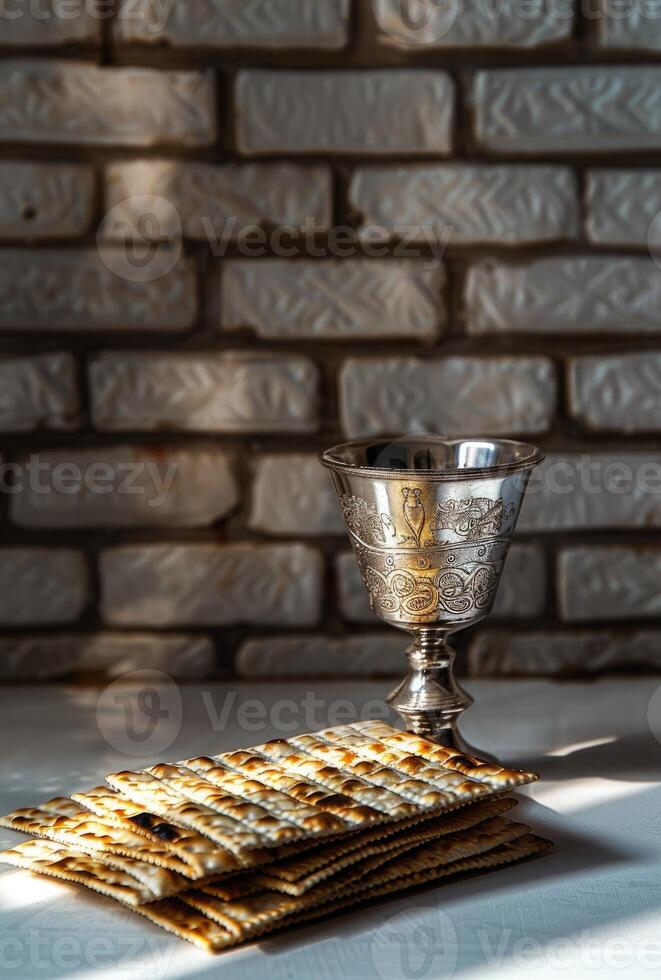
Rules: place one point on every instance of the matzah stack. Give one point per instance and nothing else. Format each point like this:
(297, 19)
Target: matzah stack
(223, 849)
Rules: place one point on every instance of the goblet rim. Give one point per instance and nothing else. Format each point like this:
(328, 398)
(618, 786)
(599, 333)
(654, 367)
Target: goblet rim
(532, 458)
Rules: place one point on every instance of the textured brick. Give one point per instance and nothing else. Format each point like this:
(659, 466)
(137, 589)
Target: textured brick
(45, 200)
(55, 289)
(609, 583)
(236, 23)
(50, 658)
(522, 590)
(125, 486)
(352, 594)
(46, 22)
(472, 23)
(368, 654)
(38, 392)
(568, 109)
(293, 494)
(469, 203)
(336, 298)
(41, 586)
(553, 654)
(73, 102)
(462, 395)
(211, 585)
(578, 491)
(209, 392)
(564, 295)
(621, 206)
(630, 26)
(212, 202)
(396, 111)
(621, 393)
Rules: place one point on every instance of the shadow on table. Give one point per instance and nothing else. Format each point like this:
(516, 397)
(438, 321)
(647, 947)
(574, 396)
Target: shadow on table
(557, 896)
(634, 758)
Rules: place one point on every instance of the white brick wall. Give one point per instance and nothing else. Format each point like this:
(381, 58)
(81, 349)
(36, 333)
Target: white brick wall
(467, 204)
(211, 585)
(214, 203)
(465, 396)
(292, 494)
(367, 654)
(124, 486)
(621, 206)
(568, 110)
(38, 393)
(74, 289)
(620, 393)
(473, 23)
(54, 657)
(591, 490)
(26, 22)
(573, 294)
(233, 392)
(633, 26)
(351, 591)
(606, 583)
(522, 590)
(395, 111)
(235, 232)
(336, 298)
(45, 200)
(67, 102)
(39, 586)
(555, 654)
(236, 23)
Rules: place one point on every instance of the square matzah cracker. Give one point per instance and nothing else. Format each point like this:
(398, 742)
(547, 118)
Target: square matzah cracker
(203, 857)
(214, 925)
(249, 804)
(371, 888)
(92, 834)
(342, 780)
(245, 917)
(184, 921)
(296, 875)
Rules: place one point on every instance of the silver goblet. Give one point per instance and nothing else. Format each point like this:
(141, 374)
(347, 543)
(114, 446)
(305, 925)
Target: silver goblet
(430, 521)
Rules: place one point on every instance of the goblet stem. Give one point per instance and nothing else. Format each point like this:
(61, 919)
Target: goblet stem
(429, 699)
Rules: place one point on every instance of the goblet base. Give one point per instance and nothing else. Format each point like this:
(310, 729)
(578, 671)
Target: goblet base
(429, 699)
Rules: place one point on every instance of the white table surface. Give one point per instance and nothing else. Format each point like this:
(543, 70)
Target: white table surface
(590, 909)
